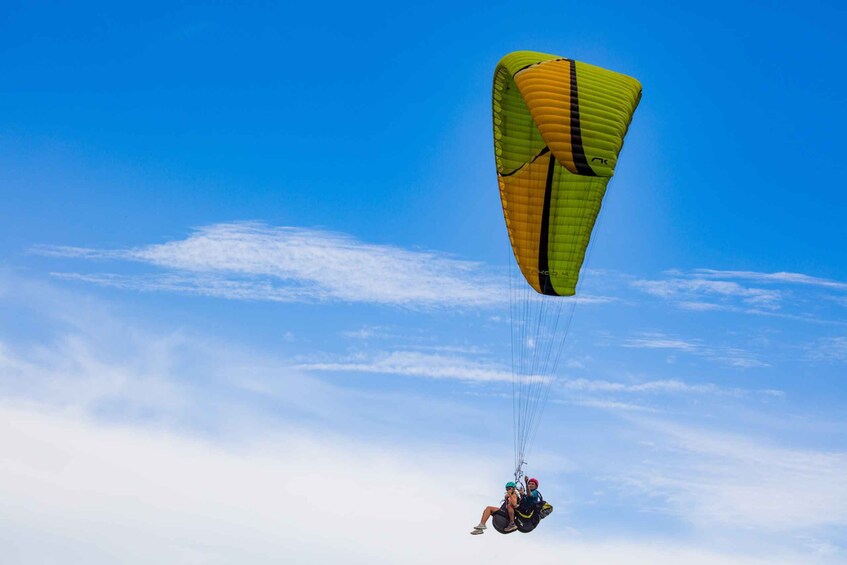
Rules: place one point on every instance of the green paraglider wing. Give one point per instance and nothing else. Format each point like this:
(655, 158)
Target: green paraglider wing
(559, 126)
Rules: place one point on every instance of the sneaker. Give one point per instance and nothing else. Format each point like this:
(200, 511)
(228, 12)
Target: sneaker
(510, 528)
(480, 527)
(476, 532)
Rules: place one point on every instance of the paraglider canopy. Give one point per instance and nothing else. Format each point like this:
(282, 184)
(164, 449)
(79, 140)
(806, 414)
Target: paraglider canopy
(559, 125)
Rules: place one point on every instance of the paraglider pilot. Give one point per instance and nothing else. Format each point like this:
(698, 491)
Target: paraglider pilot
(531, 495)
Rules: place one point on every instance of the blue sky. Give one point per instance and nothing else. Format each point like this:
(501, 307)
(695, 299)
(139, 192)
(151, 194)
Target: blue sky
(253, 259)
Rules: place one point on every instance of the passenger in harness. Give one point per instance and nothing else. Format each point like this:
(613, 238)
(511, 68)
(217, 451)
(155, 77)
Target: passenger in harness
(510, 502)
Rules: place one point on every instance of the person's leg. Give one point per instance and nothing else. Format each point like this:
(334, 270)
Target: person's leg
(486, 514)
(511, 512)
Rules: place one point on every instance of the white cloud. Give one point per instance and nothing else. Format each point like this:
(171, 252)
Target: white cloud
(687, 291)
(732, 356)
(73, 372)
(414, 340)
(288, 496)
(780, 277)
(87, 360)
(715, 479)
(659, 341)
(664, 386)
(611, 405)
(606, 394)
(771, 294)
(829, 349)
(418, 364)
(215, 286)
(152, 497)
(572, 363)
(584, 298)
(370, 332)
(698, 306)
(256, 262)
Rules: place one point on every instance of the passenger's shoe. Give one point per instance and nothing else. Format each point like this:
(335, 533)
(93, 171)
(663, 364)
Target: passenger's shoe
(477, 531)
(510, 528)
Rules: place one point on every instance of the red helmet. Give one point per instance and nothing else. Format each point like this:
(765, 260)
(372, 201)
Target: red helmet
(533, 481)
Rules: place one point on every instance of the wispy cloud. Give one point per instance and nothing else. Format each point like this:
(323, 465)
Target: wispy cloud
(660, 341)
(370, 332)
(252, 261)
(733, 356)
(742, 482)
(686, 290)
(698, 306)
(418, 364)
(667, 386)
(412, 340)
(829, 349)
(780, 277)
(609, 405)
(113, 369)
(769, 294)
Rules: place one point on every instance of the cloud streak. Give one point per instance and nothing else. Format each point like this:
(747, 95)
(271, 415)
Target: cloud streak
(732, 356)
(252, 261)
(418, 364)
(688, 289)
(776, 278)
(713, 479)
(833, 349)
(667, 386)
(784, 294)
